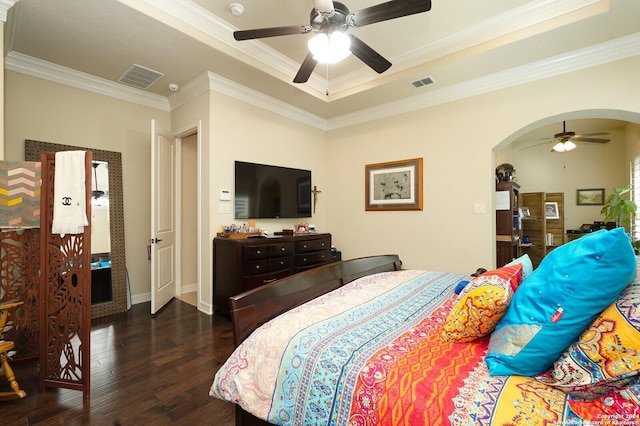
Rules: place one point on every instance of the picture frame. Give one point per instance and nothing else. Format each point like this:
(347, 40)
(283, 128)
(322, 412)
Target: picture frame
(394, 185)
(525, 212)
(590, 197)
(551, 210)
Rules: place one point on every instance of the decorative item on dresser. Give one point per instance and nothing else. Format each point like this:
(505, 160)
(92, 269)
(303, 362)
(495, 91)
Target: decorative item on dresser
(244, 264)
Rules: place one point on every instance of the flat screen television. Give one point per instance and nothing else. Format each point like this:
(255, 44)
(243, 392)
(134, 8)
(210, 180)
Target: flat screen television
(269, 192)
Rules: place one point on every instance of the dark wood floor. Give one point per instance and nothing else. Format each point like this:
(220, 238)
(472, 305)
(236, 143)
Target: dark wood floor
(144, 370)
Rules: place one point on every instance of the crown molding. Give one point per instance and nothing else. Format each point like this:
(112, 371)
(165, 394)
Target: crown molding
(502, 26)
(209, 81)
(611, 51)
(591, 56)
(259, 99)
(5, 5)
(34, 67)
(518, 19)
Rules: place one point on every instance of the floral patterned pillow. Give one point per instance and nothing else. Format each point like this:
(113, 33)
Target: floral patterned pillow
(606, 358)
(481, 304)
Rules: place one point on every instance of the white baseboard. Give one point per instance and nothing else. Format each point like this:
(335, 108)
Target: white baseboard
(140, 298)
(146, 297)
(189, 288)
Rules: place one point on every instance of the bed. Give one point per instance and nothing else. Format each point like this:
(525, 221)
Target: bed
(364, 342)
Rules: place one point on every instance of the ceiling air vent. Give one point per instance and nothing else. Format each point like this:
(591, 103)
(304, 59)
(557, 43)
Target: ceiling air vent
(140, 77)
(423, 82)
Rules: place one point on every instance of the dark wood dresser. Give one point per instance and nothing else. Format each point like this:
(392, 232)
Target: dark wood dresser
(241, 265)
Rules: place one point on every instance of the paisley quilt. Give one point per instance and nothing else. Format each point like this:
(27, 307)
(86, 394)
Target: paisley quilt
(370, 353)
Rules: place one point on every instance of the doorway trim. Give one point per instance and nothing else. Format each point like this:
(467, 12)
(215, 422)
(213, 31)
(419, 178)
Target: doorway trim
(190, 131)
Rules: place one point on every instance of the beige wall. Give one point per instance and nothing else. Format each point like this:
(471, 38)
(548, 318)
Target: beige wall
(234, 130)
(456, 140)
(243, 132)
(41, 110)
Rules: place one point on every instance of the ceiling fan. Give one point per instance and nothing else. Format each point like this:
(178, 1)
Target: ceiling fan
(565, 141)
(329, 17)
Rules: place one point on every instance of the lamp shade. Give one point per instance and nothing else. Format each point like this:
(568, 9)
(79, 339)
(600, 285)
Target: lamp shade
(330, 49)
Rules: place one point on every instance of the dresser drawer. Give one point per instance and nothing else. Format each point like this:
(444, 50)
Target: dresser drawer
(282, 249)
(278, 263)
(257, 280)
(262, 266)
(264, 251)
(313, 245)
(314, 258)
(254, 267)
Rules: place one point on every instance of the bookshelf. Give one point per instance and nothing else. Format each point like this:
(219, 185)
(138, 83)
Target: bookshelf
(508, 226)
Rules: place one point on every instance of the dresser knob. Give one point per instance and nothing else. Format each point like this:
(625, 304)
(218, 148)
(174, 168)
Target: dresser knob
(257, 266)
(258, 252)
(304, 260)
(281, 263)
(304, 245)
(282, 248)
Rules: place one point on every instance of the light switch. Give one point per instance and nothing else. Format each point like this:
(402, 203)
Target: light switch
(478, 208)
(224, 208)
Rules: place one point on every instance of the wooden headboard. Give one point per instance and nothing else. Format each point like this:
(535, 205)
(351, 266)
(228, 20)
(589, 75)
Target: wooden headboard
(253, 308)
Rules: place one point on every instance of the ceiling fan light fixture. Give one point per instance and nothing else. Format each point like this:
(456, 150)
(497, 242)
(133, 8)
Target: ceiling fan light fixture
(330, 49)
(564, 146)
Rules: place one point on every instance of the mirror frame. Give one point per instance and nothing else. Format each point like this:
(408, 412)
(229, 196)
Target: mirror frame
(33, 151)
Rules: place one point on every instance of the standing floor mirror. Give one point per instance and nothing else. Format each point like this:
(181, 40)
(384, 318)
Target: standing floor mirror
(108, 249)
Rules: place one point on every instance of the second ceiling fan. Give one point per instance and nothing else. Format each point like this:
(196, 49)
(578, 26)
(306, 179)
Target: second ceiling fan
(565, 140)
(329, 17)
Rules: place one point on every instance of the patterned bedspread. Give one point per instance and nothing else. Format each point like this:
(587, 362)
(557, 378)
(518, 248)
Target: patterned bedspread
(370, 354)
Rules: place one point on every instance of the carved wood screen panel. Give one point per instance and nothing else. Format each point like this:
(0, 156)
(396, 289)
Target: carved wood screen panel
(65, 288)
(20, 281)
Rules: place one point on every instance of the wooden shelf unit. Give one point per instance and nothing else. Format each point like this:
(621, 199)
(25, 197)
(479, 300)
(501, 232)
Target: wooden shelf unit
(536, 226)
(507, 223)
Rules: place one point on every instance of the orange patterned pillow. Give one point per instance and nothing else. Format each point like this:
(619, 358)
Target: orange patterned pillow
(481, 304)
(606, 358)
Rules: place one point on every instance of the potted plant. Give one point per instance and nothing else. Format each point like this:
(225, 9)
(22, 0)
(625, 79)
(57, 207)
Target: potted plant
(620, 209)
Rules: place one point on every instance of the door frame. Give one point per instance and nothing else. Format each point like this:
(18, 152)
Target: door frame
(197, 129)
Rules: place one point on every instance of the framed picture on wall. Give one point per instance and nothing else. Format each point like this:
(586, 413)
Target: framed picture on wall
(551, 210)
(590, 197)
(395, 185)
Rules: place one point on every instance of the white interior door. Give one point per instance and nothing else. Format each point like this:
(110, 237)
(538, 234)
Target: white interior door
(163, 247)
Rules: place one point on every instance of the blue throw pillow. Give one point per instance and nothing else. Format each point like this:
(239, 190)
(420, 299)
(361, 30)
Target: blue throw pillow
(559, 300)
(527, 266)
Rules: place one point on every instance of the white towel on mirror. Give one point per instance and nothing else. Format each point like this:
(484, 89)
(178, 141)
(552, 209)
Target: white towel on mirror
(69, 193)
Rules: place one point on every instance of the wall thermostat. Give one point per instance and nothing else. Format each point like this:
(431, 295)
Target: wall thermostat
(225, 195)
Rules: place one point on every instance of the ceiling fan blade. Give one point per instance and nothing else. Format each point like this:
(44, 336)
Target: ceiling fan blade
(271, 32)
(582, 135)
(324, 6)
(306, 69)
(388, 10)
(367, 55)
(534, 145)
(583, 139)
